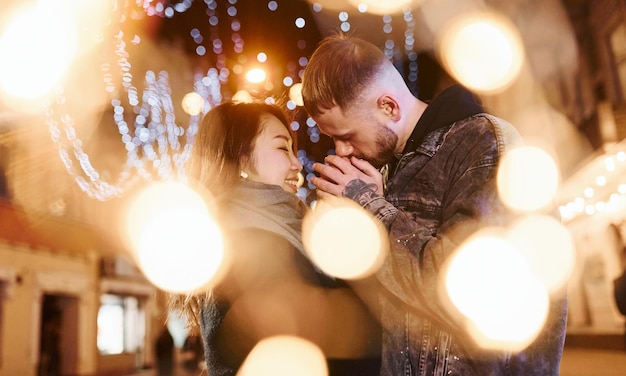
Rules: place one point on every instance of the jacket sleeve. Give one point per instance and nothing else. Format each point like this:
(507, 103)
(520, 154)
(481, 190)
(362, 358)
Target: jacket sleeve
(417, 250)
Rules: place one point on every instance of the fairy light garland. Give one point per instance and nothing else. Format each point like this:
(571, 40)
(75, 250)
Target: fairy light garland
(153, 140)
(154, 145)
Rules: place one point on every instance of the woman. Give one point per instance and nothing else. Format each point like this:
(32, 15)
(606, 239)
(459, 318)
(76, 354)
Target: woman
(243, 154)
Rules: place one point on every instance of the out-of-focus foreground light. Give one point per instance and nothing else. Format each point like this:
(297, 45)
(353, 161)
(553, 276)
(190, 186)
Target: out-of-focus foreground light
(343, 239)
(528, 178)
(483, 51)
(176, 241)
(492, 285)
(193, 103)
(548, 246)
(37, 49)
(256, 75)
(284, 356)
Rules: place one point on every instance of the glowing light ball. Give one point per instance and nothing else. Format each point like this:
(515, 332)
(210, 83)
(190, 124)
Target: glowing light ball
(548, 246)
(284, 356)
(295, 94)
(528, 178)
(386, 7)
(256, 75)
(176, 242)
(343, 239)
(193, 103)
(491, 284)
(483, 51)
(34, 62)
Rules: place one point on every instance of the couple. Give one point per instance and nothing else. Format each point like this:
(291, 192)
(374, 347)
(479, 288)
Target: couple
(441, 163)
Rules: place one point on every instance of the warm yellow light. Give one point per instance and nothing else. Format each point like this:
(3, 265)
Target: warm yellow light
(383, 7)
(193, 103)
(548, 246)
(34, 61)
(295, 94)
(242, 96)
(483, 51)
(528, 178)
(284, 356)
(177, 243)
(256, 75)
(492, 285)
(343, 239)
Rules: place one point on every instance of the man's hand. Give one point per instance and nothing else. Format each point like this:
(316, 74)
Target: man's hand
(339, 171)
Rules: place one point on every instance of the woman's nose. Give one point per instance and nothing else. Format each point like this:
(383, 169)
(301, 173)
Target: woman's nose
(296, 163)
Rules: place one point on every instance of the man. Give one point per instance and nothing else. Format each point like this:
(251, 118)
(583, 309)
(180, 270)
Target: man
(440, 161)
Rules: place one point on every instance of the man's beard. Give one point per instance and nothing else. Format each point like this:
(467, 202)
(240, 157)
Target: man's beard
(386, 141)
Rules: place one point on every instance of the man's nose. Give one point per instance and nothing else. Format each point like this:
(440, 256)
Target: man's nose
(343, 149)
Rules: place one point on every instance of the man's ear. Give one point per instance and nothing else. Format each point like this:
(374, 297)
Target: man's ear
(389, 106)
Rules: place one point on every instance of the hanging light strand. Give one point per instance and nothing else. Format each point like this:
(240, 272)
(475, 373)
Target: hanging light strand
(155, 144)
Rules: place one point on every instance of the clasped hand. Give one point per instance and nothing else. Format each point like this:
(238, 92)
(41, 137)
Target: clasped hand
(339, 171)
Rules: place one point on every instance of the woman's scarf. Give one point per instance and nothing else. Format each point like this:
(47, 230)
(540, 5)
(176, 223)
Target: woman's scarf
(266, 207)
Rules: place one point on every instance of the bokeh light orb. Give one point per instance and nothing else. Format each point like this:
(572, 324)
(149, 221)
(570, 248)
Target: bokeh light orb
(483, 51)
(242, 96)
(528, 178)
(34, 62)
(295, 94)
(256, 75)
(493, 286)
(193, 103)
(175, 240)
(284, 356)
(343, 239)
(548, 246)
(386, 7)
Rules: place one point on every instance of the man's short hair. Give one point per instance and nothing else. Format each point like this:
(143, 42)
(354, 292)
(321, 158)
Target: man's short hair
(338, 71)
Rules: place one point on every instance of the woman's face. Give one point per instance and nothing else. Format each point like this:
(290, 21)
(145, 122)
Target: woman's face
(273, 159)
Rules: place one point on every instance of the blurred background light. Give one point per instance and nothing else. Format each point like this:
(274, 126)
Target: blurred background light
(193, 104)
(483, 51)
(295, 94)
(383, 7)
(256, 75)
(549, 248)
(528, 178)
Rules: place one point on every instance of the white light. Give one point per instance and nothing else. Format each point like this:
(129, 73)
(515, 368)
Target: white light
(256, 75)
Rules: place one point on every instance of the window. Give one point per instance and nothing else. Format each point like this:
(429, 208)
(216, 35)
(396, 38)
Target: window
(121, 324)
